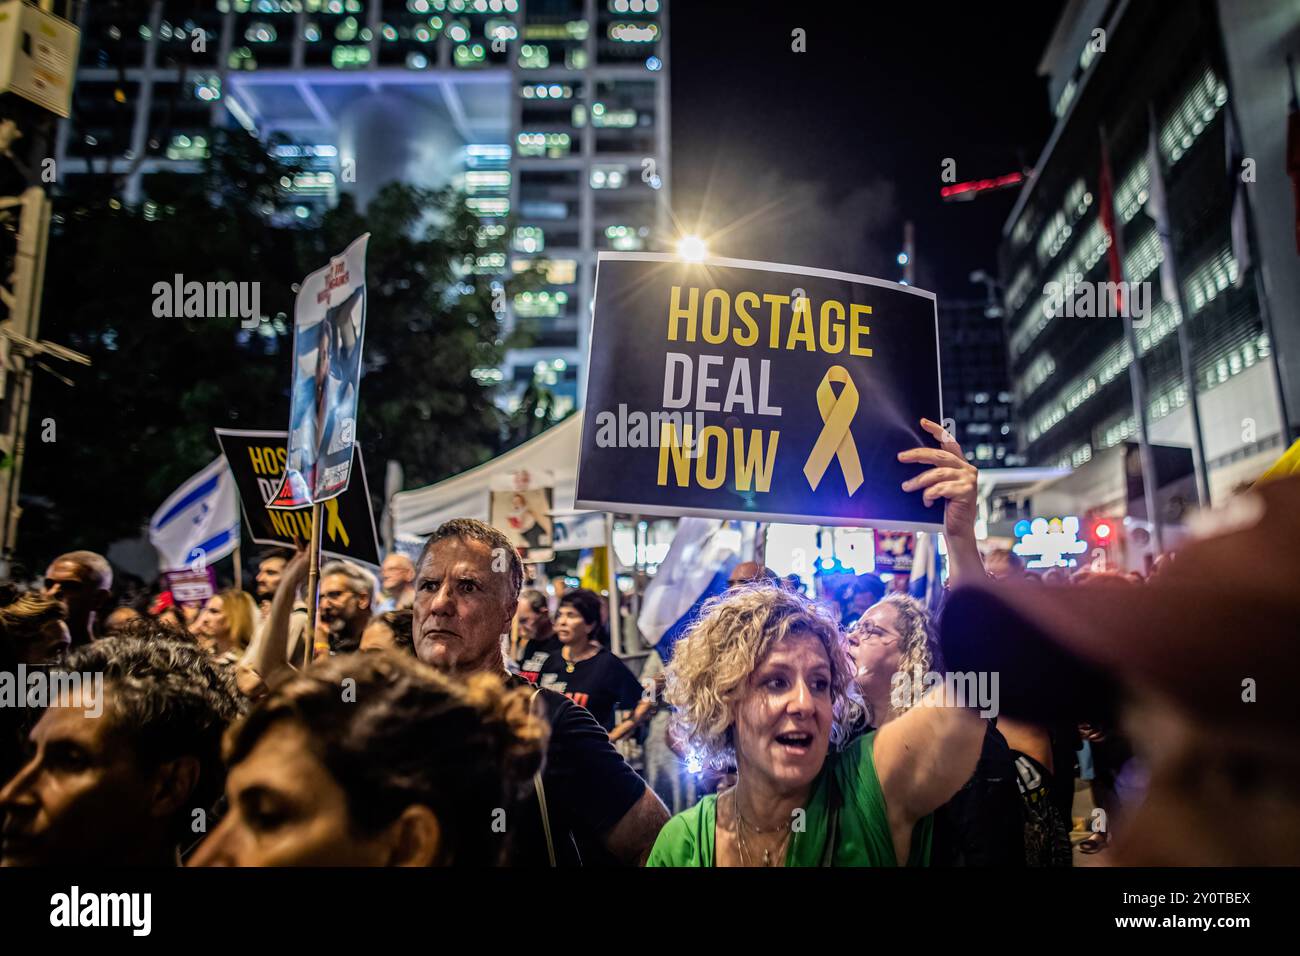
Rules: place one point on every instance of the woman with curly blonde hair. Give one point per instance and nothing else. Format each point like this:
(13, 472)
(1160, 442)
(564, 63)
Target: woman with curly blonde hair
(764, 680)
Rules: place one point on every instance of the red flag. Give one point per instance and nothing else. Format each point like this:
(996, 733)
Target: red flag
(1106, 209)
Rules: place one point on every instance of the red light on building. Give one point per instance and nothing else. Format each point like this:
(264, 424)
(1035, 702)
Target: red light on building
(963, 191)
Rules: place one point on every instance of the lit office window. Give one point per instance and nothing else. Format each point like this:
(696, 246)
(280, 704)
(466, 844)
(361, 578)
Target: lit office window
(529, 239)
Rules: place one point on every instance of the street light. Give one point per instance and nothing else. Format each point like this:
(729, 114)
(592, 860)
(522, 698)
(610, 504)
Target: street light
(992, 307)
(692, 248)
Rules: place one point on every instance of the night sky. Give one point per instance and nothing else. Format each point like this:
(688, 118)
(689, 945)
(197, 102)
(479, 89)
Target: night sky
(817, 158)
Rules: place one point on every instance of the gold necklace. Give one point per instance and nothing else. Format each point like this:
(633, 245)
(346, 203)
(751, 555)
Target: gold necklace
(742, 824)
(568, 664)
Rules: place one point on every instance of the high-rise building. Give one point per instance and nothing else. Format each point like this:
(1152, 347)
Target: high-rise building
(552, 115)
(1193, 66)
(973, 362)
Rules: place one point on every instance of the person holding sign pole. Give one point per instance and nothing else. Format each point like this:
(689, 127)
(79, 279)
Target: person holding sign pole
(269, 657)
(763, 681)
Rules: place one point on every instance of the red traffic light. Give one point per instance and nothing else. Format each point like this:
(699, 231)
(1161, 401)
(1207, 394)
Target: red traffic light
(1102, 531)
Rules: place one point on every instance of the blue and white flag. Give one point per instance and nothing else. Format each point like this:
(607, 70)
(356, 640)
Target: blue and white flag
(696, 568)
(926, 585)
(199, 523)
(921, 581)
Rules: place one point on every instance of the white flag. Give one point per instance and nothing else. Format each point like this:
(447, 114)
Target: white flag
(1235, 156)
(199, 523)
(1157, 207)
(703, 552)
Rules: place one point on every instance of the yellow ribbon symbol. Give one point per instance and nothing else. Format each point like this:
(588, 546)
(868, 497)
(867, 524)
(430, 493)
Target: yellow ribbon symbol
(334, 526)
(835, 441)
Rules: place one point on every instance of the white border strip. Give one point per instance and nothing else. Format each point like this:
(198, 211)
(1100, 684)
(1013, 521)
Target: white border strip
(761, 267)
(618, 507)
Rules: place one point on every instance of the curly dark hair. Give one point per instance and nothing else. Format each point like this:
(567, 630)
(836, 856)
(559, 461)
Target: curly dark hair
(154, 629)
(401, 623)
(169, 699)
(411, 736)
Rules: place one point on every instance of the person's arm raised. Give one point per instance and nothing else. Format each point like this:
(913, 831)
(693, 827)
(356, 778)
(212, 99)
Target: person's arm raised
(924, 757)
(955, 479)
(273, 654)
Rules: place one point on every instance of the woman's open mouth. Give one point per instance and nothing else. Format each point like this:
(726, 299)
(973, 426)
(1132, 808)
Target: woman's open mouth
(795, 743)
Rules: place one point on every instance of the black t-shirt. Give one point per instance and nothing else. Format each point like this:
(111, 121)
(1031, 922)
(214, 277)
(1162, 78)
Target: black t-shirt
(602, 684)
(589, 787)
(534, 654)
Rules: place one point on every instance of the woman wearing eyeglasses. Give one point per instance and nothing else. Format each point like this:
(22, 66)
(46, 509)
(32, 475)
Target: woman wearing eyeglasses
(894, 648)
(893, 637)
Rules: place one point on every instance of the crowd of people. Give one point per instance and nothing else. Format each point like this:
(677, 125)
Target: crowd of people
(445, 715)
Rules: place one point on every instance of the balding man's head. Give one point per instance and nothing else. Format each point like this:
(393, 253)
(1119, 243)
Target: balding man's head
(95, 567)
(396, 573)
(80, 581)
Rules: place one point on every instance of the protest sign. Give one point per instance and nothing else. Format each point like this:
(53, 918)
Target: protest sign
(192, 588)
(735, 389)
(575, 530)
(257, 461)
(894, 552)
(329, 321)
(525, 517)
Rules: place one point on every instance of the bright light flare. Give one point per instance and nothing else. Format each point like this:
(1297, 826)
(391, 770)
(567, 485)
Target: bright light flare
(692, 248)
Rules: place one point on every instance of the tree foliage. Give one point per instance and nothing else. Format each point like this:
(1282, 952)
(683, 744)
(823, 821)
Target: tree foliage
(139, 420)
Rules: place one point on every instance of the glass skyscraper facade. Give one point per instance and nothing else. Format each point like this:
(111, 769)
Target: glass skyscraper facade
(552, 116)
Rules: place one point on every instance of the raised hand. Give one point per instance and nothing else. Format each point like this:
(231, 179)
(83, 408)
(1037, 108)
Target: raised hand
(955, 480)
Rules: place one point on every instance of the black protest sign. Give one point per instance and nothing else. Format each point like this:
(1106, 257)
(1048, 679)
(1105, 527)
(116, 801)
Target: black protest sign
(257, 459)
(735, 389)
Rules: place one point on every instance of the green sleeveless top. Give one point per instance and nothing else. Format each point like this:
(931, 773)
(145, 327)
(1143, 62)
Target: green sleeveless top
(861, 825)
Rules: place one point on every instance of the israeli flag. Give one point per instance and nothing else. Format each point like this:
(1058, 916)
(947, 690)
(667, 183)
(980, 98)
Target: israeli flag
(925, 584)
(696, 568)
(920, 583)
(199, 523)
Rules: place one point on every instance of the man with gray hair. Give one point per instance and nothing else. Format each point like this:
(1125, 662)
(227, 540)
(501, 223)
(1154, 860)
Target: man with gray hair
(596, 808)
(80, 581)
(347, 592)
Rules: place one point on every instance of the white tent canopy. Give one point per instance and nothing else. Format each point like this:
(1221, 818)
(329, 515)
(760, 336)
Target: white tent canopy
(468, 495)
